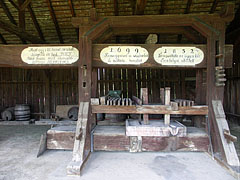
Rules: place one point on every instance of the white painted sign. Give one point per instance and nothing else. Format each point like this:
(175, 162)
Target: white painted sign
(50, 55)
(124, 55)
(178, 56)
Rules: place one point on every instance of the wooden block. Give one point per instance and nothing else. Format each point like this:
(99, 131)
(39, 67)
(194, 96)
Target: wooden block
(144, 97)
(155, 128)
(61, 137)
(51, 122)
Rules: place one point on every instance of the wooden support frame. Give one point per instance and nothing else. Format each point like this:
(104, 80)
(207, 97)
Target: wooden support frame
(92, 28)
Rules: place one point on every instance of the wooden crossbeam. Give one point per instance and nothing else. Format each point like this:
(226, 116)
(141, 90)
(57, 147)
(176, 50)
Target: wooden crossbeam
(161, 11)
(2, 39)
(150, 109)
(54, 18)
(19, 32)
(35, 22)
(187, 10)
(24, 5)
(214, 6)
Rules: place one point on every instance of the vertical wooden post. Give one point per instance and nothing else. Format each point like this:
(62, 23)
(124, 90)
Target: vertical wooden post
(167, 102)
(82, 143)
(162, 96)
(144, 97)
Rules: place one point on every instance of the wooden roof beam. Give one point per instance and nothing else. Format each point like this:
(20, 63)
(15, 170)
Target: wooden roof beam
(7, 12)
(70, 4)
(24, 5)
(54, 18)
(116, 13)
(35, 22)
(214, 6)
(14, 5)
(10, 17)
(2, 39)
(19, 32)
(21, 15)
(139, 7)
(161, 11)
(187, 10)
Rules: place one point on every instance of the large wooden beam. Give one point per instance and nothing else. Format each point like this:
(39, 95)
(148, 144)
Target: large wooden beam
(54, 18)
(35, 22)
(19, 32)
(11, 56)
(150, 109)
(228, 151)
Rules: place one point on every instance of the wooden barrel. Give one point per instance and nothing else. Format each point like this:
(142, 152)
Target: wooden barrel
(8, 114)
(73, 113)
(22, 112)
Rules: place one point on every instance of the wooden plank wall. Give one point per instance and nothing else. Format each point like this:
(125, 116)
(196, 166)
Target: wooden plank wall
(130, 81)
(232, 90)
(29, 86)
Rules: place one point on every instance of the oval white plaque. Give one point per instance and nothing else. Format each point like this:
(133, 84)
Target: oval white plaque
(178, 56)
(50, 55)
(124, 55)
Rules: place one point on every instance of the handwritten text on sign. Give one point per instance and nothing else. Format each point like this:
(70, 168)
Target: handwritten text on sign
(50, 55)
(178, 56)
(124, 55)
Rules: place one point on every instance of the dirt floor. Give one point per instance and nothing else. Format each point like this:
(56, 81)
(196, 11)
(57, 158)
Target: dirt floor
(19, 146)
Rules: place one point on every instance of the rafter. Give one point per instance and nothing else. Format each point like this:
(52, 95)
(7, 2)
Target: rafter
(161, 11)
(35, 22)
(21, 15)
(116, 13)
(10, 17)
(187, 10)
(13, 3)
(54, 18)
(214, 6)
(24, 5)
(2, 39)
(19, 32)
(140, 6)
(70, 3)
(7, 12)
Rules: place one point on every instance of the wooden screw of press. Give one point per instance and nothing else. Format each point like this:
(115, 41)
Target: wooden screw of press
(144, 97)
(167, 103)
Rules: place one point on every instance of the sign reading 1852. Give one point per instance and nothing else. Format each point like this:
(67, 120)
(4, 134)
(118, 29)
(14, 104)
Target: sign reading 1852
(178, 56)
(124, 55)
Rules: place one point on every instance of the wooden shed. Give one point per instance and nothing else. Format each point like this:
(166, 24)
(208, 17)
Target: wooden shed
(170, 67)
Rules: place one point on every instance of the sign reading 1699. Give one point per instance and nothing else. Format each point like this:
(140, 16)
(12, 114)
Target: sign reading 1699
(124, 55)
